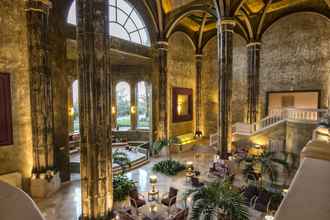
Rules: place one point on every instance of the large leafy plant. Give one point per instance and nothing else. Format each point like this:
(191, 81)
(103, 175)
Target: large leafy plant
(266, 164)
(160, 144)
(121, 187)
(168, 167)
(219, 201)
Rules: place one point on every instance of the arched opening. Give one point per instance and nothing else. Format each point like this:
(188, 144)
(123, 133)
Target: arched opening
(125, 22)
(143, 100)
(123, 102)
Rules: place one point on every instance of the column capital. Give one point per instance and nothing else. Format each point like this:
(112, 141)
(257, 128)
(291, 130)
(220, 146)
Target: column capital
(41, 6)
(162, 45)
(254, 44)
(226, 24)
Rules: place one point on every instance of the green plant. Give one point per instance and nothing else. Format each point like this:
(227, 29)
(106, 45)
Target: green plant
(159, 144)
(217, 200)
(121, 159)
(168, 167)
(265, 164)
(121, 187)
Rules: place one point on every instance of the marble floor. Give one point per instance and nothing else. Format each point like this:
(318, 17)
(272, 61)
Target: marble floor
(66, 204)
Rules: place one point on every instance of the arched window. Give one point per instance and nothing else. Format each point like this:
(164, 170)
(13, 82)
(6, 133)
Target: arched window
(123, 101)
(124, 22)
(143, 96)
(75, 107)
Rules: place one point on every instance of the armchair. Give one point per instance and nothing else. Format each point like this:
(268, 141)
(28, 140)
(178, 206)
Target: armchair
(250, 194)
(136, 199)
(195, 182)
(262, 201)
(169, 199)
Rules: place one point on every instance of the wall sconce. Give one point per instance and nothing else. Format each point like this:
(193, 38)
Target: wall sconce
(71, 111)
(133, 109)
(113, 110)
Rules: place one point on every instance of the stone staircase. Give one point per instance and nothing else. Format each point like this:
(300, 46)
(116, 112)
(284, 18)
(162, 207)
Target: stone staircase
(275, 118)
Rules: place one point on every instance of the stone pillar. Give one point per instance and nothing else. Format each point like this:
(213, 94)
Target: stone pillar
(225, 34)
(37, 13)
(163, 120)
(95, 109)
(253, 50)
(133, 108)
(199, 65)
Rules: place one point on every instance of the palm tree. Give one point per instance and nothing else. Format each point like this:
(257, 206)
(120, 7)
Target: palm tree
(217, 201)
(266, 165)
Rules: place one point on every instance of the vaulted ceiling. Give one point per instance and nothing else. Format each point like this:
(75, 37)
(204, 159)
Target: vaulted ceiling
(197, 18)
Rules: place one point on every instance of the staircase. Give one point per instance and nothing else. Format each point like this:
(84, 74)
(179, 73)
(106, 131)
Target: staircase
(275, 117)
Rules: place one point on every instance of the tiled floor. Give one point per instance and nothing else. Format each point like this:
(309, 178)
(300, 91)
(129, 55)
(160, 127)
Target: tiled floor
(65, 204)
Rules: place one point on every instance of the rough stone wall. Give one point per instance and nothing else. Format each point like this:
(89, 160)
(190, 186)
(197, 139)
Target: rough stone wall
(181, 73)
(297, 136)
(14, 60)
(296, 55)
(210, 84)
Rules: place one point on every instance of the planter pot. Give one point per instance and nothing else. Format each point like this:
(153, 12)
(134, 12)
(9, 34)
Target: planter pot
(42, 188)
(121, 204)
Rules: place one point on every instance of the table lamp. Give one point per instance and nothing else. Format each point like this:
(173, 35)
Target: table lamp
(190, 166)
(153, 182)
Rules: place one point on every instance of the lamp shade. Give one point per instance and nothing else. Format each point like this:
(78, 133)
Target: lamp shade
(190, 165)
(153, 179)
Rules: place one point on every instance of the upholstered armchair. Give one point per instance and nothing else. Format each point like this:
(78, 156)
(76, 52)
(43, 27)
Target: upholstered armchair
(195, 182)
(250, 194)
(137, 200)
(262, 201)
(169, 199)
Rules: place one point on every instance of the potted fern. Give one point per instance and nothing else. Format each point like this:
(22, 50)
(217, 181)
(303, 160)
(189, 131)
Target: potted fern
(218, 201)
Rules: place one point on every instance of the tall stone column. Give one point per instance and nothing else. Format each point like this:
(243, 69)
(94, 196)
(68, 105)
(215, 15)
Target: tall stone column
(253, 50)
(199, 66)
(37, 13)
(225, 34)
(95, 109)
(162, 58)
(133, 108)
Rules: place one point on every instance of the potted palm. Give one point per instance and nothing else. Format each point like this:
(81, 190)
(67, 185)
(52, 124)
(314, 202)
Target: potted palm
(218, 201)
(265, 165)
(121, 188)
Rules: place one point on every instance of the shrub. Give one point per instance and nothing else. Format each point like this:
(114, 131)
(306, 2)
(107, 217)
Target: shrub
(168, 167)
(121, 187)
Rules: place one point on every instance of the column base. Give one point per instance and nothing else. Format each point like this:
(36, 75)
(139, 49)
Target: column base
(43, 188)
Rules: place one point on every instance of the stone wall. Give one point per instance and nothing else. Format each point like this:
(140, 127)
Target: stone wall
(210, 84)
(14, 60)
(181, 73)
(295, 55)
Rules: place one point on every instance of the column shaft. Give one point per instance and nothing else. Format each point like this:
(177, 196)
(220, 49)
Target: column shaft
(95, 109)
(163, 119)
(199, 66)
(253, 50)
(225, 84)
(37, 13)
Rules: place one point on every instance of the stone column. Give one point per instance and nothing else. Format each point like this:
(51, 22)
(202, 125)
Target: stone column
(163, 120)
(133, 108)
(225, 34)
(37, 13)
(199, 65)
(95, 109)
(253, 50)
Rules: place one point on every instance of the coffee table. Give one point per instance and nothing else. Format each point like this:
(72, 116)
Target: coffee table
(154, 211)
